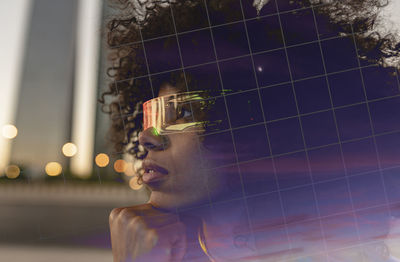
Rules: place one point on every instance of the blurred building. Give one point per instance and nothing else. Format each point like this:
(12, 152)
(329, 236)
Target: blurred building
(63, 72)
(46, 89)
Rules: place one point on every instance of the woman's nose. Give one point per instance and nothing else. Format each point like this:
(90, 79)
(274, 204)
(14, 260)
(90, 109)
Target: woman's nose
(152, 140)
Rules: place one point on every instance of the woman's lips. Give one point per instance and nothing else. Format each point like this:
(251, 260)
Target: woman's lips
(153, 172)
(150, 177)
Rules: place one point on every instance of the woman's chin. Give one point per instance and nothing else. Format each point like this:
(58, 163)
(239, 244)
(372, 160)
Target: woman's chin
(163, 201)
(173, 202)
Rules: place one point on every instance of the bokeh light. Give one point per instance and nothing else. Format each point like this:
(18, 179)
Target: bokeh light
(69, 149)
(129, 169)
(133, 183)
(102, 160)
(120, 166)
(53, 169)
(9, 131)
(12, 171)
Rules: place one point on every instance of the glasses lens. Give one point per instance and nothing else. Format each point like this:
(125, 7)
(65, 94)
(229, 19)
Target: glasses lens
(170, 113)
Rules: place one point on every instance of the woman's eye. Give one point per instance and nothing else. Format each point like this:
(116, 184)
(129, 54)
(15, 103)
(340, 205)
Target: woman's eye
(184, 113)
(187, 113)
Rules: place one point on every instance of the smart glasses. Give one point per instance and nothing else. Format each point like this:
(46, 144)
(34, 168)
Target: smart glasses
(173, 113)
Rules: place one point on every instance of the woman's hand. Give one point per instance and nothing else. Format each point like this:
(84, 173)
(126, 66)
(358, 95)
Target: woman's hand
(142, 233)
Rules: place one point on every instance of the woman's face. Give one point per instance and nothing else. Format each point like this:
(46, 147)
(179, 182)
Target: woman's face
(174, 167)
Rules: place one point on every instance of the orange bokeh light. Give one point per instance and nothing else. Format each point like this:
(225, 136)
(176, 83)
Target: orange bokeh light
(120, 166)
(12, 171)
(102, 160)
(53, 169)
(133, 183)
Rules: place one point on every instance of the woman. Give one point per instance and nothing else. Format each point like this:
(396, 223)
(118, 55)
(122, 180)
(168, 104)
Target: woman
(256, 149)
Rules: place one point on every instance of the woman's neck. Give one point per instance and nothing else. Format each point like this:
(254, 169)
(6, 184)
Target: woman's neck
(227, 233)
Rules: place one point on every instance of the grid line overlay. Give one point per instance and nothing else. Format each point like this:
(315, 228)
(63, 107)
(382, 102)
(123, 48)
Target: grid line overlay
(337, 130)
(314, 148)
(255, 53)
(299, 116)
(231, 132)
(187, 89)
(301, 126)
(266, 129)
(223, 24)
(372, 126)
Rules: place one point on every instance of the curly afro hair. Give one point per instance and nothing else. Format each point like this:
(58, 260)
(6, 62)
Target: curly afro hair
(129, 69)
